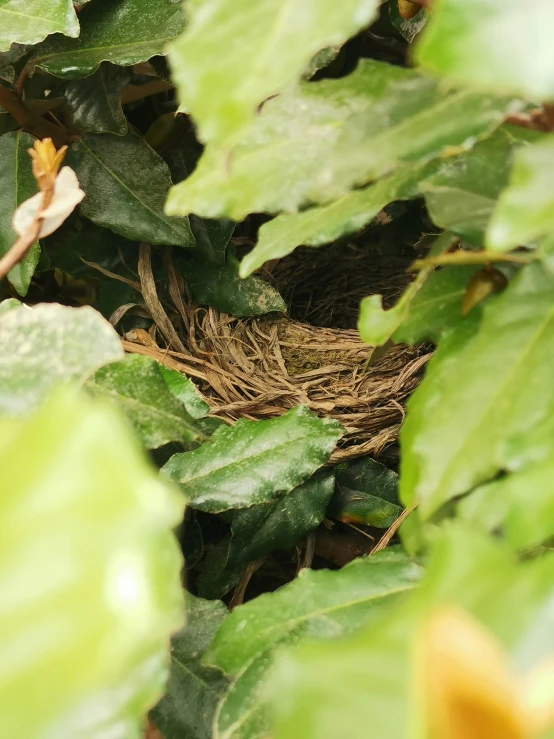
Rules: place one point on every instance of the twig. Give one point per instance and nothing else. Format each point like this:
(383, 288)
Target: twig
(483, 256)
(21, 246)
(240, 590)
(391, 531)
(309, 552)
(29, 120)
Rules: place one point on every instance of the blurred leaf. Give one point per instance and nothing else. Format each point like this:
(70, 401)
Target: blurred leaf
(326, 223)
(32, 21)
(94, 104)
(90, 588)
(281, 524)
(315, 141)
(186, 711)
(17, 184)
(220, 286)
(123, 33)
(462, 195)
(366, 493)
(459, 419)
(186, 391)
(520, 504)
(253, 462)
(499, 45)
(436, 307)
(137, 385)
(332, 693)
(525, 209)
(126, 183)
(318, 604)
(9, 304)
(482, 284)
(277, 41)
(48, 345)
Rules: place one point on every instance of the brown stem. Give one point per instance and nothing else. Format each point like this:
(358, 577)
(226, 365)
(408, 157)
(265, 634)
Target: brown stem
(29, 120)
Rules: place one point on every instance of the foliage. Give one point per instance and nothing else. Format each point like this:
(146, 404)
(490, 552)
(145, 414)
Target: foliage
(223, 578)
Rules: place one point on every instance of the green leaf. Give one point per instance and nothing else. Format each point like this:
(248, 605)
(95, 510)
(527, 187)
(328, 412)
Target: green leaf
(16, 185)
(318, 604)
(47, 345)
(186, 391)
(281, 524)
(218, 576)
(137, 385)
(499, 45)
(187, 709)
(220, 286)
(90, 573)
(123, 33)
(126, 183)
(253, 462)
(520, 504)
(33, 20)
(462, 196)
(277, 41)
(94, 104)
(321, 225)
(315, 141)
(331, 692)
(459, 419)
(375, 324)
(436, 307)
(367, 493)
(525, 210)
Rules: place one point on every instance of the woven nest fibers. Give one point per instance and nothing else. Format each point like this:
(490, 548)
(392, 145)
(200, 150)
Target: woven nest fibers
(257, 368)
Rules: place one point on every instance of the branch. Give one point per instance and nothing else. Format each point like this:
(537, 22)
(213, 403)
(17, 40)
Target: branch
(29, 120)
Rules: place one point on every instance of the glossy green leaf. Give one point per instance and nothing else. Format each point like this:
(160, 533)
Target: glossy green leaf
(321, 225)
(220, 286)
(488, 381)
(187, 709)
(123, 33)
(94, 104)
(137, 385)
(89, 587)
(315, 141)
(369, 677)
(277, 41)
(126, 183)
(499, 45)
(31, 21)
(436, 307)
(253, 462)
(16, 185)
(318, 604)
(282, 524)
(461, 197)
(367, 493)
(47, 345)
(525, 210)
(520, 504)
(186, 391)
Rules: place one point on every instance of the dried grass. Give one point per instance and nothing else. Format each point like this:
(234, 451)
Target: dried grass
(258, 368)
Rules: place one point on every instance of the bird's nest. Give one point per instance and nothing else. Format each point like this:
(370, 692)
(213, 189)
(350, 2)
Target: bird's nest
(257, 368)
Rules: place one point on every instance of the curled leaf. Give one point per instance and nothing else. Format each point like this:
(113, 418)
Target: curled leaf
(483, 283)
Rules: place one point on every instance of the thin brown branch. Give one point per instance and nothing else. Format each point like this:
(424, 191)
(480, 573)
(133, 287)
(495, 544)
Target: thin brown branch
(20, 248)
(483, 256)
(28, 120)
(384, 541)
(132, 93)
